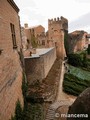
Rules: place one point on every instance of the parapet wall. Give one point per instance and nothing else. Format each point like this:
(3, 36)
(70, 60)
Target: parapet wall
(63, 21)
(37, 67)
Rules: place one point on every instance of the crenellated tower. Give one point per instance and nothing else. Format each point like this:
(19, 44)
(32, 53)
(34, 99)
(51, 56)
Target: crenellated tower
(57, 28)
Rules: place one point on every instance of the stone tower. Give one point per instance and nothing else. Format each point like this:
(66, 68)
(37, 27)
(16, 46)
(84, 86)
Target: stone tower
(57, 29)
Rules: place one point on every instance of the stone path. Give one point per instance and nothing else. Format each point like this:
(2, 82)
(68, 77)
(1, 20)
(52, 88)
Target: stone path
(62, 98)
(59, 95)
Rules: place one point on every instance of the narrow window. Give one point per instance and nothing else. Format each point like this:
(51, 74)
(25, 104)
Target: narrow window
(43, 42)
(13, 35)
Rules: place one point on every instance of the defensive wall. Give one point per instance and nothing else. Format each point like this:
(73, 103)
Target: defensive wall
(38, 65)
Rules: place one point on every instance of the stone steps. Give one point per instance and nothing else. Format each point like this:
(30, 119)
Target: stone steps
(51, 111)
(50, 115)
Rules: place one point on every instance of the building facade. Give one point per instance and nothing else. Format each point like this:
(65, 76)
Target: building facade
(34, 36)
(10, 65)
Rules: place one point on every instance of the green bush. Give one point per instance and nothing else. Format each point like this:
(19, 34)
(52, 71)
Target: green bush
(79, 60)
(33, 41)
(75, 59)
(66, 42)
(18, 112)
(88, 49)
(24, 86)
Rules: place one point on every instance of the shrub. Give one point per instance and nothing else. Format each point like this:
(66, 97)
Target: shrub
(88, 49)
(18, 111)
(24, 86)
(75, 59)
(33, 41)
(79, 60)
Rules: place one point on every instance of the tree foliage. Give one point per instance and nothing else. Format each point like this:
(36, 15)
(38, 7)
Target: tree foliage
(66, 44)
(75, 59)
(78, 60)
(33, 41)
(88, 49)
(18, 111)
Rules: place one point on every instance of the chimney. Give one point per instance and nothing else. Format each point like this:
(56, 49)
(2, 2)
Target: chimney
(26, 25)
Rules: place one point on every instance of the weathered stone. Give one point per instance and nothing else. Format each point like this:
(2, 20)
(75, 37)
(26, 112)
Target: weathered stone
(77, 41)
(81, 106)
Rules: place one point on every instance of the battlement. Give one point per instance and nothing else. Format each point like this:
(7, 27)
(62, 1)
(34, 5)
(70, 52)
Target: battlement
(58, 19)
(51, 21)
(64, 19)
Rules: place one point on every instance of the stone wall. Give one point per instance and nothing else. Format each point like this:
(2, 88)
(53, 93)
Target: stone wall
(10, 65)
(38, 67)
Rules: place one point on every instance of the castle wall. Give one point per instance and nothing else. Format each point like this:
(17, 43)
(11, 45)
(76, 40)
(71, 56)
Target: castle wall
(38, 67)
(10, 68)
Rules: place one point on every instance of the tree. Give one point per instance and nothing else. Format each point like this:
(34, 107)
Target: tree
(66, 43)
(75, 60)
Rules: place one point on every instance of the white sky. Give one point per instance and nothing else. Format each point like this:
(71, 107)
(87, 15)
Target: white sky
(35, 12)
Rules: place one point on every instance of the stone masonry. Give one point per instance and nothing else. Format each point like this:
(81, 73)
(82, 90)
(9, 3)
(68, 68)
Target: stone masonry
(56, 32)
(38, 65)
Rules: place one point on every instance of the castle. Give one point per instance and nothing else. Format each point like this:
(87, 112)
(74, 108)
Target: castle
(54, 37)
(11, 43)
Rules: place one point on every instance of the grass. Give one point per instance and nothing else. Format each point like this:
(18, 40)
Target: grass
(78, 72)
(76, 81)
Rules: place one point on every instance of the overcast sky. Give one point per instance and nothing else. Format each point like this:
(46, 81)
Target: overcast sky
(35, 12)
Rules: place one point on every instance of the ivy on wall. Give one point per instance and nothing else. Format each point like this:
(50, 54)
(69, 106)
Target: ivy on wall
(33, 41)
(66, 44)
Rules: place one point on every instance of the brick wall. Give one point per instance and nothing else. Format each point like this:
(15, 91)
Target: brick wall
(10, 68)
